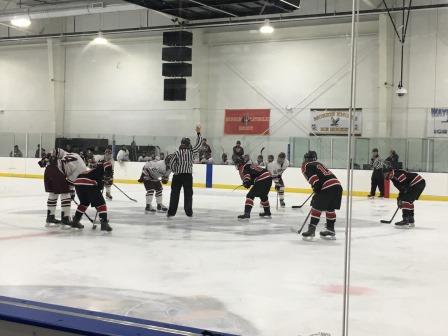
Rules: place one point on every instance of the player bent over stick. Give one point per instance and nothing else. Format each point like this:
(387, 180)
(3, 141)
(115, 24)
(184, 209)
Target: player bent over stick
(55, 185)
(89, 188)
(411, 186)
(155, 173)
(260, 180)
(327, 196)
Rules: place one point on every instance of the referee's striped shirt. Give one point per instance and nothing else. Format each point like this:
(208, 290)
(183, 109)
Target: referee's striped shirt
(182, 162)
(377, 163)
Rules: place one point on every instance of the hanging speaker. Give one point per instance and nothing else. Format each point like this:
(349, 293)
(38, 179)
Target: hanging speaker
(175, 89)
(176, 54)
(180, 38)
(176, 69)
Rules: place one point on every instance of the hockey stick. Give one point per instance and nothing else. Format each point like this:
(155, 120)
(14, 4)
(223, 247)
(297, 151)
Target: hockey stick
(238, 187)
(133, 200)
(261, 152)
(306, 201)
(304, 222)
(390, 221)
(276, 206)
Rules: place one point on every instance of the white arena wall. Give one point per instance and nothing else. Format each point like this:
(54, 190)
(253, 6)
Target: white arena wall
(227, 177)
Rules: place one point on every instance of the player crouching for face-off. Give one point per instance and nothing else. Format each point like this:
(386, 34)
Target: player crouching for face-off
(410, 186)
(55, 185)
(155, 173)
(89, 188)
(259, 180)
(277, 168)
(327, 196)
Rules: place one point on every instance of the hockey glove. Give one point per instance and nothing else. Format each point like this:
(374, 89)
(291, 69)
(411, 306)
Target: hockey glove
(247, 184)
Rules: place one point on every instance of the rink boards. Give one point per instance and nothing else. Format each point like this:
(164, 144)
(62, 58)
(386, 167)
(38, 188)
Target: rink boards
(226, 177)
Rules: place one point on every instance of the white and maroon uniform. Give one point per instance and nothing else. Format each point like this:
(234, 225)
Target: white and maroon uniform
(153, 173)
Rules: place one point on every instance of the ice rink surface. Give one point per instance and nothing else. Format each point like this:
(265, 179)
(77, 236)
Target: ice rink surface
(249, 278)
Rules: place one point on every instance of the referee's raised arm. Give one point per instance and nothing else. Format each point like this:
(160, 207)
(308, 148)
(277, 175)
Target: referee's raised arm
(183, 175)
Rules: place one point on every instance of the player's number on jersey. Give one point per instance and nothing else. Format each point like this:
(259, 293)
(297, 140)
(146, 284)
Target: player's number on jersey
(324, 170)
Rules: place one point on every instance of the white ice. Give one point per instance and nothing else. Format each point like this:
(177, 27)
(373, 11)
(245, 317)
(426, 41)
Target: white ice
(254, 278)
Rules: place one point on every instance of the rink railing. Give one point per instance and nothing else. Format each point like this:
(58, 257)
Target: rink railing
(227, 177)
(20, 317)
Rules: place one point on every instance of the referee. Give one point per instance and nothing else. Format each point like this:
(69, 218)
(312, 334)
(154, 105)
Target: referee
(182, 167)
(377, 179)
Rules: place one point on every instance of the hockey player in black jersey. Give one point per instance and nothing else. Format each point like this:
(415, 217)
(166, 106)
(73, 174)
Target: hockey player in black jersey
(89, 187)
(410, 186)
(327, 196)
(259, 180)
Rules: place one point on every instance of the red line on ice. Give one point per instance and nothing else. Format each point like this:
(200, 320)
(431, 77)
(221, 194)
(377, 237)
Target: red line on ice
(29, 235)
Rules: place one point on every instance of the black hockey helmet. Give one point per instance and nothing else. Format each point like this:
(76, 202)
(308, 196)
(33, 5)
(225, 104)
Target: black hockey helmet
(185, 142)
(310, 156)
(238, 160)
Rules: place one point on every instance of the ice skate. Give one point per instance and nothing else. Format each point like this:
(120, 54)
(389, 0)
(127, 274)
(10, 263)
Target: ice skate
(105, 225)
(244, 217)
(65, 223)
(404, 224)
(161, 208)
(328, 234)
(52, 221)
(149, 209)
(75, 224)
(371, 196)
(309, 235)
(266, 214)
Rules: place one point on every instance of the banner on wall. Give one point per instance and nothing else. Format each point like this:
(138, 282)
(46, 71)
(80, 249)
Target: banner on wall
(437, 123)
(247, 121)
(334, 121)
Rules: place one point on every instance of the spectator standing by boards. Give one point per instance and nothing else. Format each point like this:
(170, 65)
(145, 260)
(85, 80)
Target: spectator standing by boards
(238, 150)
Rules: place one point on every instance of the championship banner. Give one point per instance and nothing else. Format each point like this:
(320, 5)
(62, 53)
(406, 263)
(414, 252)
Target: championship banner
(437, 123)
(247, 121)
(334, 121)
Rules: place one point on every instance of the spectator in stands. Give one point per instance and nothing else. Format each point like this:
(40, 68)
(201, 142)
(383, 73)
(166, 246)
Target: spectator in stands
(247, 158)
(207, 159)
(123, 155)
(68, 148)
(205, 151)
(393, 159)
(270, 158)
(133, 152)
(225, 160)
(39, 153)
(16, 152)
(162, 156)
(261, 162)
(144, 157)
(238, 150)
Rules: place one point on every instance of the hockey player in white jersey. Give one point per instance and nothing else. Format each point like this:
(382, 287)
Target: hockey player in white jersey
(277, 168)
(155, 173)
(71, 164)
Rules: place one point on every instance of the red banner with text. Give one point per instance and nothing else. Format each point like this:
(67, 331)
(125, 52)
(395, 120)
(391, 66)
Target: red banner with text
(247, 121)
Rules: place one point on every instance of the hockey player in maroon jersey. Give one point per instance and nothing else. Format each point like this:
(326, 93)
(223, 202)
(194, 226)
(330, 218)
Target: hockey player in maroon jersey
(410, 186)
(89, 186)
(259, 180)
(327, 196)
(55, 185)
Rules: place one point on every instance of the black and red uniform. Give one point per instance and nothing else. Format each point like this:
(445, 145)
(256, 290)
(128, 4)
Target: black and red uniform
(410, 186)
(327, 192)
(259, 180)
(89, 186)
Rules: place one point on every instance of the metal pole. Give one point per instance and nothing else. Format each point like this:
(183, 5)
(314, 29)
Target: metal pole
(26, 145)
(348, 224)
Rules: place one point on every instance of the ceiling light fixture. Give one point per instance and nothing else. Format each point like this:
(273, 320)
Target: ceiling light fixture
(266, 28)
(21, 21)
(100, 39)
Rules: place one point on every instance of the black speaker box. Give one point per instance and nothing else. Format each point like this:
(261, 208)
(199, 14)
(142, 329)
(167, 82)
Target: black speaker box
(175, 89)
(176, 54)
(176, 69)
(178, 38)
